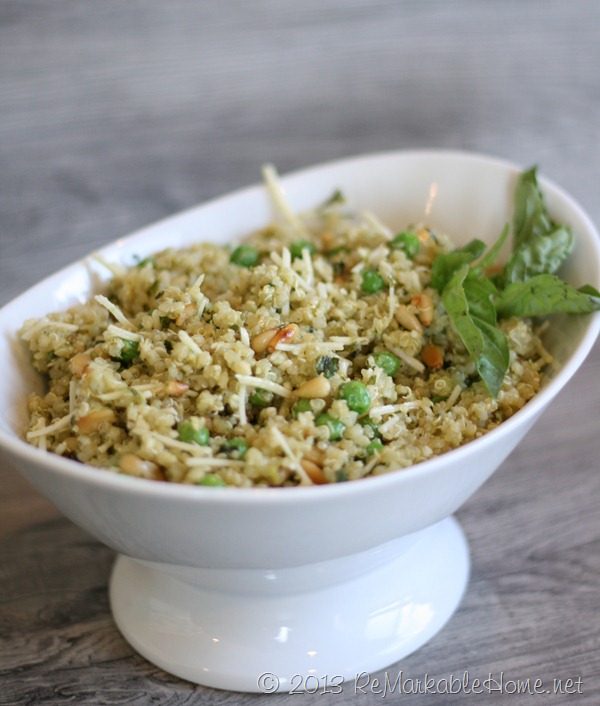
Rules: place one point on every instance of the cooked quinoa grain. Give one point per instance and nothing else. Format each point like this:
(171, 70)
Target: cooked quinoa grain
(314, 352)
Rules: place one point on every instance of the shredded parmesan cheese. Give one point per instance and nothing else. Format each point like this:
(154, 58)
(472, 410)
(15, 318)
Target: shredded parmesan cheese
(262, 384)
(244, 337)
(377, 225)
(58, 425)
(113, 309)
(454, 395)
(281, 262)
(304, 477)
(198, 461)
(118, 332)
(114, 268)
(408, 359)
(242, 405)
(45, 322)
(277, 194)
(187, 340)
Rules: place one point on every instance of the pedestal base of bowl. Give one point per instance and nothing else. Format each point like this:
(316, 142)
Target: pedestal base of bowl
(305, 628)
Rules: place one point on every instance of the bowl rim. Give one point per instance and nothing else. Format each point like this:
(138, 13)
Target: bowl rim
(99, 477)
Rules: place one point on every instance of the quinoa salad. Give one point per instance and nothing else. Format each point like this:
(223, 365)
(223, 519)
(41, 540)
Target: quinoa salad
(315, 351)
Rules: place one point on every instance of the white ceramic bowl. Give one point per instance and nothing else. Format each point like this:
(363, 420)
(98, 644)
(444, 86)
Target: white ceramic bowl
(221, 586)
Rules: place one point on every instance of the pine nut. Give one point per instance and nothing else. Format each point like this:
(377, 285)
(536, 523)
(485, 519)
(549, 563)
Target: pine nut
(93, 420)
(315, 455)
(243, 367)
(284, 335)
(424, 304)
(313, 389)
(135, 466)
(260, 342)
(313, 471)
(327, 240)
(79, 363)
(406, 318)
(432, 356)
(188, 311)
(174, 388)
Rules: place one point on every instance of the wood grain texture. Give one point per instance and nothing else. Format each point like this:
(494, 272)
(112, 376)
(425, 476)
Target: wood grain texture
(114, 114)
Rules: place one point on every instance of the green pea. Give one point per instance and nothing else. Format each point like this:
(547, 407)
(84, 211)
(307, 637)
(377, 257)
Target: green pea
(300, 407)
(236, 448)
(368, 422)
(336, 428)
(300, 245)
(374, 447)
(129, 351)
(212, 480)
(261, 398)
(372, 282)
(388, 362)
(244, 256)
(408, 242)
(356, 395)
(186, 432)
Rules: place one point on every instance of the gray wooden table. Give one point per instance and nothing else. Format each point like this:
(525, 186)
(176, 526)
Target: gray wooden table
(113, 114)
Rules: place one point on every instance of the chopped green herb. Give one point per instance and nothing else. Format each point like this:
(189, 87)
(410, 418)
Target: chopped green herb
(327, 366)
(337, 197)
(129, 352)
(341, 250)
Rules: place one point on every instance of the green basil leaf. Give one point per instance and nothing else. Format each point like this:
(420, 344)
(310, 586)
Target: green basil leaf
(480, 293)
(588, 289)
(543, 253)
(530, 216)
(490, 257)
(546, 294)
(446, 264)
(468, 303)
